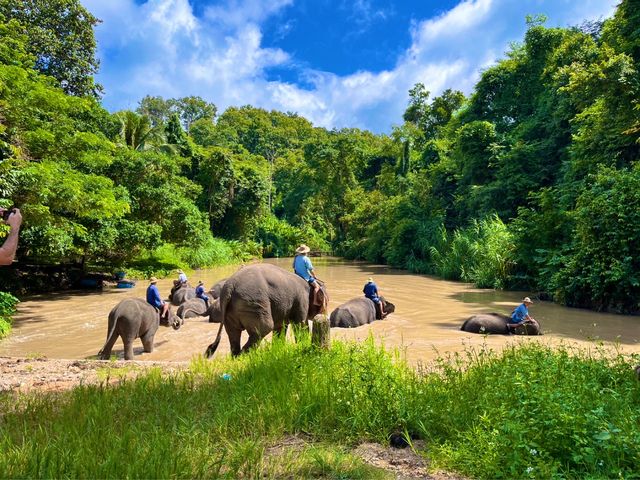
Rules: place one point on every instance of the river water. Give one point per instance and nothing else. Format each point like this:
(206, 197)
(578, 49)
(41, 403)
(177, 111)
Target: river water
(429, 312)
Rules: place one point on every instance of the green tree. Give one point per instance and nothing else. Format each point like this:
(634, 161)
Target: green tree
(61, 38)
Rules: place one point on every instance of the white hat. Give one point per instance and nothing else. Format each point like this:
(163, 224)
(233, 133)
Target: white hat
(526, 300)
(303, 249)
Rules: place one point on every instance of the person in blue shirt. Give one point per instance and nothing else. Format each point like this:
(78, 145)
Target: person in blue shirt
(155, 300)
(303, 267)
(201, 294)
(370, 291)
(521, 314)
(182, 278)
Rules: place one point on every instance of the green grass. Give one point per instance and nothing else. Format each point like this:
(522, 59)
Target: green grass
(531, 411)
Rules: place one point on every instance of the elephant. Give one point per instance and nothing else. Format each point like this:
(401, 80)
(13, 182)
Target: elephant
(216, 289)
(180, 293)
(358, 311)
(263, 298)
(134, 318)
(195, 307)
(497, 323)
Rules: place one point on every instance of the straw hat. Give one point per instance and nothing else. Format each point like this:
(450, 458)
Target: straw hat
(303, 249)
(180, 271)
(527, 300)
(153, 280)
(370, 279)
(200, 282)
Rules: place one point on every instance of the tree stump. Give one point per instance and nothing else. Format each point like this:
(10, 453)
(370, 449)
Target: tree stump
(320, 331)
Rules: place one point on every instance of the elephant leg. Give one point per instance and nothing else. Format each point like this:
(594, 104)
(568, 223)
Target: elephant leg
(128, 347)
(279, 331)
(258, 331)
(254, 340)
(147, 341)
(301, 331)
(234, 334)
(106, 351)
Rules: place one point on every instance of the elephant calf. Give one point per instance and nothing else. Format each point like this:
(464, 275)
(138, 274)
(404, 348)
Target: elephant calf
(497, 323)
(134, 318)
(357, 312)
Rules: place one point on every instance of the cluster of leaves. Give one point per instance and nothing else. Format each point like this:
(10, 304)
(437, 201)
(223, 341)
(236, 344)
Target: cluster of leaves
(7, 308)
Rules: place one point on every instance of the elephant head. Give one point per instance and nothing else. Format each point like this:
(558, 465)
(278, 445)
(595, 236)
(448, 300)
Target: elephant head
(323, 301)
(172, 320)
(388, 306)
(215, 312)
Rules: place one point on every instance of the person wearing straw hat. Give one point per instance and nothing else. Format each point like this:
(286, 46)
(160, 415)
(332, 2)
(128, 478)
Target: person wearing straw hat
(303, 267)
(370, 291)
(521, 314)
(182, 278)
(200, 293)
(155, 300)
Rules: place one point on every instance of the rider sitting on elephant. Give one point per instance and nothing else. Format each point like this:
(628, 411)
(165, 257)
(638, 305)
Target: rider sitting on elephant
(302, 267)
(154, 299)
(521, 314)
(370, 291)
(182, 278)
(200, 293)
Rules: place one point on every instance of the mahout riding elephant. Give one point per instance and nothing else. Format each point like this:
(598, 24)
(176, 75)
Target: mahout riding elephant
(195, 307)
(262, 298)
(180, 293)
(134, 318)
(497, 323)
(359, 311)
(216, 289)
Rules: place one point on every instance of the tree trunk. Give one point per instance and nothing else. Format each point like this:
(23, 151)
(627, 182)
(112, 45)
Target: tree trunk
(321, 332)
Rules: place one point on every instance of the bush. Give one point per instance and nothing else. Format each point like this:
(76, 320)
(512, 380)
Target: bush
(481, 254)
(7, 308)
(280, 239)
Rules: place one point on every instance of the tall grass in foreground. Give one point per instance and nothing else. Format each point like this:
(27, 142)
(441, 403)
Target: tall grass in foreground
(529, 412)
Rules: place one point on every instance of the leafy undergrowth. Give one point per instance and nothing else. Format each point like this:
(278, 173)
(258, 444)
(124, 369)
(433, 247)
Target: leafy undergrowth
(531, 411)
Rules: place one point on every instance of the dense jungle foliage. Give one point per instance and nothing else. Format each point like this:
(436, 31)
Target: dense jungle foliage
(530, 182)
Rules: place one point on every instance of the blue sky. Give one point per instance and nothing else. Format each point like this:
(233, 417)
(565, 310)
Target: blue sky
(339, 63)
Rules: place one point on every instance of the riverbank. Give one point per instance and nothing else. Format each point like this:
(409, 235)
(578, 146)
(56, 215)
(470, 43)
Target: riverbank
(42, 376)
(288, 410)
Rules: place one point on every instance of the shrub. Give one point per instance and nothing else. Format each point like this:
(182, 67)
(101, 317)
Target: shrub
(7, 308)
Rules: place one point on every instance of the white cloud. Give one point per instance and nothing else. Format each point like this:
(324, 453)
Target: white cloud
(162, 48)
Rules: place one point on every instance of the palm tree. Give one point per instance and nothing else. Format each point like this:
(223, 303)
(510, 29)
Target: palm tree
(136, 132)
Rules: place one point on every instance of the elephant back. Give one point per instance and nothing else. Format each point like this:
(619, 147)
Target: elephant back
(354, 313)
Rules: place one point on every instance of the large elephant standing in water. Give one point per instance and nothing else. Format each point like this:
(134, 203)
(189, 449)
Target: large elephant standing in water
(261, 299)
(357, 312)
(134, 318)
(497, 323)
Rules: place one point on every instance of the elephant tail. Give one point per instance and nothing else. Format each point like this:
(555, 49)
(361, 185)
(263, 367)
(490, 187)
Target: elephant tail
(113, 319)
(225, 298)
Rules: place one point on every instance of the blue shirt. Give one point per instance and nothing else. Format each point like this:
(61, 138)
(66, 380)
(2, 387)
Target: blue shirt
(519, 313)
(153, 296)
(200, 293)
(370, 291)
(302, 266)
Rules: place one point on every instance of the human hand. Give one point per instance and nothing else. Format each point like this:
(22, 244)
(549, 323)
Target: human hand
(15, 218)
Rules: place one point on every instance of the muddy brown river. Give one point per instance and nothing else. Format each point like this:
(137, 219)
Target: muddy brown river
(429, 312)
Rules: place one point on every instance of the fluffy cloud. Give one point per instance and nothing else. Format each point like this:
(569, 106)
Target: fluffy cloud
(162, 48)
